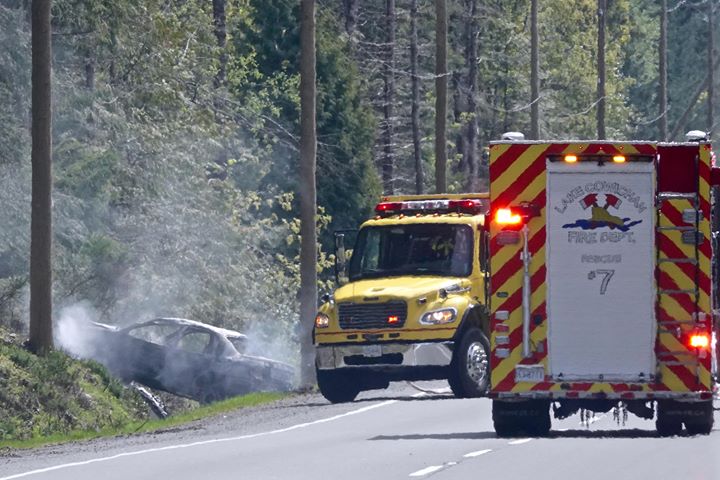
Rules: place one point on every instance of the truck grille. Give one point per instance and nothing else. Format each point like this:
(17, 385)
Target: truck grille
(372, 315)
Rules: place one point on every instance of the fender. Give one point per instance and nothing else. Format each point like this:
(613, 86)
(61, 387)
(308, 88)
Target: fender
(475, 316)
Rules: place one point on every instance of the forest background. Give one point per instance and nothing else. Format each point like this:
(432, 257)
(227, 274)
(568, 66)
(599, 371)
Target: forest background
(176, 133)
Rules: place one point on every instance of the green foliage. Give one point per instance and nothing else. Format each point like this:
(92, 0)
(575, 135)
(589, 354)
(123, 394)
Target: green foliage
(51, 395)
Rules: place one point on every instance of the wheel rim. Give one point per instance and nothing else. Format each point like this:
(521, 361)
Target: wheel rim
(477, 363)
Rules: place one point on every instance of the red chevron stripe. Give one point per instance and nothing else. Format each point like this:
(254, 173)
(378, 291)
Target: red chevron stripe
(505, 161)
(510, 194)
(665, 281)
(674, 216)
(683, 373)
(511, 267)
(669, 248)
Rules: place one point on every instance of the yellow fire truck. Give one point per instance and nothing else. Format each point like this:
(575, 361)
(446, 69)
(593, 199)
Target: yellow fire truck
(601, 282)
(412, 301)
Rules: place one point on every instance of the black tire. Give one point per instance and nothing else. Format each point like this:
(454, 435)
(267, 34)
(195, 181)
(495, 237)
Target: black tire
(337, 386)
(702, 419)
(667, 423)
(469, 375)
(529, 417)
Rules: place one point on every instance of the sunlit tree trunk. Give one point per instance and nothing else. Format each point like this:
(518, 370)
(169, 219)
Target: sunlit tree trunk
(307, 190)
(471, 127)
(221, 36)
(534, 72)
(711, 69)
(440, 95)
(41, 327)
(388, 137)
(417, 154)
(601, 6)
(662, 107)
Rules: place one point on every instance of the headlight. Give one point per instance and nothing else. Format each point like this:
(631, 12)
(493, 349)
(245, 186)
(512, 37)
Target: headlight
(322, 320)
(446, 315)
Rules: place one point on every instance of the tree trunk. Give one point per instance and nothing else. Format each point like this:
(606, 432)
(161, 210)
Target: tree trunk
(417, 154)
(41, 327)
(711, 69)
(90, 70)
(458, 109)
(534, 72)
(440, 95)
(351, 12)
(601, 70)
(388, 150)
(662, 107)
(680, 125)
(221, 36)
(470, 152)
(307, 191)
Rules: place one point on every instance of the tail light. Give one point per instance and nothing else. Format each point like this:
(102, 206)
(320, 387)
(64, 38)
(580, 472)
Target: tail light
(699, 340)
(505, 216)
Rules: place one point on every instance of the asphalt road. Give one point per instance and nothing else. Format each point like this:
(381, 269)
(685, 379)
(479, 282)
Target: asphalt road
(401, 433)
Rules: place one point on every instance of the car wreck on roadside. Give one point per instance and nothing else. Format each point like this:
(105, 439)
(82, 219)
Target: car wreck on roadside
(187, 358)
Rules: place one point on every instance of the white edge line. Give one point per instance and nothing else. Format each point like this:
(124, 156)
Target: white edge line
(426, 471)
(514, 442)
(477, 454)
(204, 442)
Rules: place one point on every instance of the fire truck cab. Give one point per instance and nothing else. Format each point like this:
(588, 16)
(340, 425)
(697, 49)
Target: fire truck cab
(411, 305)
(601, 291)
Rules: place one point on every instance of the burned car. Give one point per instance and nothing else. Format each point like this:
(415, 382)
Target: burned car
(188, 358)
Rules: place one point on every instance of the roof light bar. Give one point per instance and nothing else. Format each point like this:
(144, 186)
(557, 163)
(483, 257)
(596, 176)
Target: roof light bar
(471, 205)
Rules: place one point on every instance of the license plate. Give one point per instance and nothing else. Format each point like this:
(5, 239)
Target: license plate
(529, 373)
(372, 350)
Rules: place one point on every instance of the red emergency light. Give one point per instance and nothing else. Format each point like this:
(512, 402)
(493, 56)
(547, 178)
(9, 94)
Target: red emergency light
(699, 340)
(505, 216)
(514, 217)
(470, 205)
(386, 207)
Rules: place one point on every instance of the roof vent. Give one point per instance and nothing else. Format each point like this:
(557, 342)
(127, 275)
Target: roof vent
(512, 136)
(696, 136)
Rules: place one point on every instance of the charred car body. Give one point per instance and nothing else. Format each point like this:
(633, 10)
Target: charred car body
(188, 358)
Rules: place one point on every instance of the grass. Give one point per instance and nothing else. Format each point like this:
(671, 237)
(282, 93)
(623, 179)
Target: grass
(149, 425)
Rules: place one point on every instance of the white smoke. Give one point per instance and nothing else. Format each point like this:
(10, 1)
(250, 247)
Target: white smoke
(74, 329)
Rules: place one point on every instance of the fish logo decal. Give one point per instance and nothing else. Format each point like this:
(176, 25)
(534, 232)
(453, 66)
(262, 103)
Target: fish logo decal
(601, 216)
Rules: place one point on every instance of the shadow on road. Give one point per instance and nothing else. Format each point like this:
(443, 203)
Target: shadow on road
(439, 436)
(590, 434)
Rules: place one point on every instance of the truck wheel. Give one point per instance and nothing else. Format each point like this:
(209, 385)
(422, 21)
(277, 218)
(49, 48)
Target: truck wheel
(531, 417)
(701, 421)
(666, 423)
(337, 386)
(470, 367)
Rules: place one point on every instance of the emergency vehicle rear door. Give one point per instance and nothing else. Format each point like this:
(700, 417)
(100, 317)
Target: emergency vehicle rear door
(600, 270)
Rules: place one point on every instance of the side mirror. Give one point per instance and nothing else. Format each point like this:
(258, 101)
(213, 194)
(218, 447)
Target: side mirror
(341, 275)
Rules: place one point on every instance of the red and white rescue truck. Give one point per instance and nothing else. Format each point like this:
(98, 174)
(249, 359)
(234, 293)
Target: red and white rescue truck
(601, 292)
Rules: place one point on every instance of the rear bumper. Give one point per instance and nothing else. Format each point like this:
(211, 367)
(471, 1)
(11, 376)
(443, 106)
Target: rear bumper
(392, 355)
(620, 396)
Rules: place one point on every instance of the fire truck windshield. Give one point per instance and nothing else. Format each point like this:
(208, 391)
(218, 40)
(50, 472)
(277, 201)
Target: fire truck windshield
(417, 249)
